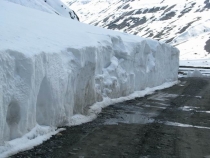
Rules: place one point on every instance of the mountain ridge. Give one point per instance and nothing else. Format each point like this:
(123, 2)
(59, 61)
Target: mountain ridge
(50, 6)
(175, 22)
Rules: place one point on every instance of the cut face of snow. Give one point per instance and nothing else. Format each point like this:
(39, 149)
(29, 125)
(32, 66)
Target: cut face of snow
(55, 71)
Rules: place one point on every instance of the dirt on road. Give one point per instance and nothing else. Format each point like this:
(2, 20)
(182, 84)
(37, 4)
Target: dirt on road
(174, 122)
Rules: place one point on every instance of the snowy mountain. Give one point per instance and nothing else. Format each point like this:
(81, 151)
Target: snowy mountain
(183, 23)
(49, 6)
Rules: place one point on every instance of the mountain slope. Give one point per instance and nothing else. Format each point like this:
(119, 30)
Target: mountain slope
(174, 22)
(49, 6)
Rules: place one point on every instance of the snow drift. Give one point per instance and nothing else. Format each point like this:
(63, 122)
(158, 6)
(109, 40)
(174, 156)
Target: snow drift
(52, 68)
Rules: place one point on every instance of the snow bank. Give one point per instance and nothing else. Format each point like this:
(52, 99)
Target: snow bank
(35, 137)
(53, 69)
(195, 73)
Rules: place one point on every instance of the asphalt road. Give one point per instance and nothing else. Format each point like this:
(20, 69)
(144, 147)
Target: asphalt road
(174, 122)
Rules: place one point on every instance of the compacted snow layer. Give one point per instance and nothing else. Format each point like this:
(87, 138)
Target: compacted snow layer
(53, 69)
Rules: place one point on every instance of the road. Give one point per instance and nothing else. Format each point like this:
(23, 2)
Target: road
(173, 122)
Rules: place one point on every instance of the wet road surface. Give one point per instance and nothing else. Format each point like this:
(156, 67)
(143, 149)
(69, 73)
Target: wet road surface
(174, 122)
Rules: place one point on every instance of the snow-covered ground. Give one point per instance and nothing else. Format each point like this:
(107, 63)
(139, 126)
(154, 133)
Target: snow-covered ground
(184, 24)
(55, 71)
(50, 6)
(157, 19)
(194, 46)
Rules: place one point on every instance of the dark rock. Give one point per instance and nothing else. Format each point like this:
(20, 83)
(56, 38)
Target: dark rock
(168, 16)
(207, 46)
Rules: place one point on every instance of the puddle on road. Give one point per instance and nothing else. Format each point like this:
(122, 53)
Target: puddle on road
(134, 114)
(162, 96)
(130, 119)
(131, 114)
(141, 112)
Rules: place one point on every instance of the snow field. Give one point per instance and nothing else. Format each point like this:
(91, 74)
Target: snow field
(52, 69)
(49, 6)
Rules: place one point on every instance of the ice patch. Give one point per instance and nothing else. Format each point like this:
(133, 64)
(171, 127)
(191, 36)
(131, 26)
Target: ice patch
(188, 108)
(184, 125)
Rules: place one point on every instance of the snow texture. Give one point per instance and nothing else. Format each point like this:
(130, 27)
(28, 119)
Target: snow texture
(50, 6)
(35, 137)
(53, 69)
(195, 73)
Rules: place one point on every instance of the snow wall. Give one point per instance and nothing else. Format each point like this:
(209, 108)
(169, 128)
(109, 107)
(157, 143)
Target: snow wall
(48, 74)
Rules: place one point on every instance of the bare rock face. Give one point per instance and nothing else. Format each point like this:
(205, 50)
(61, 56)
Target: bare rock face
(207, 46)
